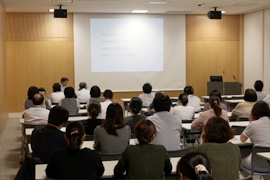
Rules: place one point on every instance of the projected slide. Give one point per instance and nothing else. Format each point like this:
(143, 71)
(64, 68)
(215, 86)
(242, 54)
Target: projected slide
(126, 45)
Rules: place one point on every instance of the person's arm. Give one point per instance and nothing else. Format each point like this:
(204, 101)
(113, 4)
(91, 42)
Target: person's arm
(246, 133)
(197, 123)
(60, 102)
(96, 139)
(168, 165)
(78, 105)
(100, 167)
(51, 167)
(243, 138)
(121, 166)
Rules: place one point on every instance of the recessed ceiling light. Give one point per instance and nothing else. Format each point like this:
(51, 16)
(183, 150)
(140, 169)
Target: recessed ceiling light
(139, 11)
(223, 12)
(157, 2)
(51, 10)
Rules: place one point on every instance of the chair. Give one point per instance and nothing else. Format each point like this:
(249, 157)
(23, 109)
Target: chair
(191, 135)
(109, 156)
(238, 129)
(258, 163)
(187, 121)
(178, 153)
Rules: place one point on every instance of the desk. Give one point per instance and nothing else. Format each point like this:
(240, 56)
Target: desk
(28, 131)
(187, 126)
(108, 165)
(233, 102)
(74, 118)
(196, 115)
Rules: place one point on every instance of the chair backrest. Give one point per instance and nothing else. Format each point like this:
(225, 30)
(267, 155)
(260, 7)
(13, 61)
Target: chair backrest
(178, 153)
(187, 121)
(238, 129)
(259, 164)
(109, 156)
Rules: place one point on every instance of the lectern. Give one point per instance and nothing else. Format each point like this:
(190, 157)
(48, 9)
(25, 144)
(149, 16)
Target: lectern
(225, 88)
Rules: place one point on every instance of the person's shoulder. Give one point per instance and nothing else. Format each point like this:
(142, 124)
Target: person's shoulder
(233, 146)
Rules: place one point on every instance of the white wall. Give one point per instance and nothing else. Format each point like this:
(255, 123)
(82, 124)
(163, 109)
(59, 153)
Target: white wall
(256, 49)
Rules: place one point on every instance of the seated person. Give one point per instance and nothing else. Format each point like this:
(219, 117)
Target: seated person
(135, 106)
(145, 160)
(183, 111)
(243, 109)
(57, 95)
(194, 165)
(95, 94)
(92, 122)
(258, 86)
(70, 102)
(48, 102)
(108, 96)
(168, 126)
(257, 131)
(36, 115)
(151, 106)
(31, 92)
(147, 96)
(218, 94)
(64, 83)
(112, 136)
(83, 94)
(75, 162)
(46, 139)
(224, 157)
(193, 101)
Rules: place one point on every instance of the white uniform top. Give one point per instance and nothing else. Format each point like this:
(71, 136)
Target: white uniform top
(147, 99)
(183, 112)
(83, 95)
(57, 96)
(194, 102)
(104, 106)
(36, 115)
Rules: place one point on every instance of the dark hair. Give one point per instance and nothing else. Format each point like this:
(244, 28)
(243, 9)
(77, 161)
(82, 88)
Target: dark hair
(147, 88)
(74, 132)
(82, 85)
(94, 109)
(144, 131)
(114, 116)
(56, 87)
(214, 101)
(41, 89)
(38, 99)
(188, 90)
(217, 130)
(250, 95)
(186, 166)
(63, 79)
(95, 91)
(69, 92)
(32, 91)
(260, 109)
(108, 94)
(215, 93)
(162, 103)
(258, 85)
(183, 98)
(135, 105)
(58, 115)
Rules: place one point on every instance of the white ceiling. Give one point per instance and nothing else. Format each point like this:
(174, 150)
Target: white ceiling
(125, 6)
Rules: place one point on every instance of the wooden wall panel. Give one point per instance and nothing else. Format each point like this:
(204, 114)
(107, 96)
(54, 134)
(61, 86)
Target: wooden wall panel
(3, 71)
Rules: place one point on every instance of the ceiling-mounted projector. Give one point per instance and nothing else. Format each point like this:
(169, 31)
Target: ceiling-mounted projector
(214, 14)
(60, 13)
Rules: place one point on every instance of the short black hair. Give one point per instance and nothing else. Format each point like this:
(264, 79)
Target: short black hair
(250, 95)
(69, 92)
(82, 85)
(41, 89)
(58, 115)
(258, 85)
(95, 91)
(162, 103)
(56, 87)
(63, 79)
(37, 99)
(215, 92)
(32, 91)
(108, 94)
(147, 88)
(135, 105)
(188, 90)
(260, 109)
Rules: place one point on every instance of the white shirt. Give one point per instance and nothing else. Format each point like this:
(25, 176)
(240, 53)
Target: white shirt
(83, 95)
(36, 115)
(57, 96)
(147, 99)
(267, 100)
(260, 95)
(104, 106)
(195, 102)
(183, 112)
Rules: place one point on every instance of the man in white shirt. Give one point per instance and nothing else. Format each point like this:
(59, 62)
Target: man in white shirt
(64, 83)
(57, 95)
(193, 101)
(258, 86)
(83, 94)
(108, 95)
(147, 97)
(37, 115)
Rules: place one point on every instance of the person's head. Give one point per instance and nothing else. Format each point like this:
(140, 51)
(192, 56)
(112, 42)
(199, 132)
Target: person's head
(114, 117)
(183, 99)
(162, 103)
(147, 88)
(69, 92)
(214, 103)
(42, 91)
(217, 130)
(75, 135)
(195, 166)
(250, 95)
(94, 109)
(188, 90)
(64, 81)
(215, 93)
(258, 86)
(58, 116)
(108, 94)
(82, 85)
(145, 131)
(135, 105)
(32, 91)
(260, 109)
(38, 99)
(56, 87)
(95, 92)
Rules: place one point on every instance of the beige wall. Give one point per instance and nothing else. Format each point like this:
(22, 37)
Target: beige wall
(3, 72)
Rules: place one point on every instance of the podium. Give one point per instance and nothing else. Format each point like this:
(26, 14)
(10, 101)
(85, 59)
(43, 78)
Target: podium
(225, 88)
